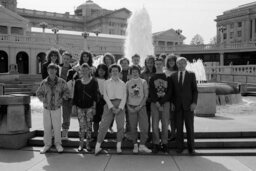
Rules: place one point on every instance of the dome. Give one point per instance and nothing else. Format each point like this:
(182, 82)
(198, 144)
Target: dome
(89, 4)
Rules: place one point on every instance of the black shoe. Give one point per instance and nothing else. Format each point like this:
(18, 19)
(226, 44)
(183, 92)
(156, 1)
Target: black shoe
(88, 147)
(179, 151)
(192, 152)
(165, 148)
(156, 148)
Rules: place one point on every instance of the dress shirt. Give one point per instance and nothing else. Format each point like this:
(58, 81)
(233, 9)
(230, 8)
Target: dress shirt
(183, 76)
(115, 89)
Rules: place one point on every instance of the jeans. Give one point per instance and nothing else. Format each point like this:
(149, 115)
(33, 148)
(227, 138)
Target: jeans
(52, 121)
(162, 116)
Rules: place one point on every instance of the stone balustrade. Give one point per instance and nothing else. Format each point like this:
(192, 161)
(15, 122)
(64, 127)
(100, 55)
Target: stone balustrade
(23, 11)
(233, 70)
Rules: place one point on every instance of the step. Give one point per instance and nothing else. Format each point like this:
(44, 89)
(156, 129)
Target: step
(18, 85)
(251, 134)
(18, 92)
(16, 89)
(199, 143)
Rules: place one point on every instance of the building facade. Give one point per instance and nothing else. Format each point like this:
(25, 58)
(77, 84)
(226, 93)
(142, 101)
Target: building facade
(237, 25)
(88, 16)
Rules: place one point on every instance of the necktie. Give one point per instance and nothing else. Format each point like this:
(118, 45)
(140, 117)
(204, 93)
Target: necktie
(180, 79)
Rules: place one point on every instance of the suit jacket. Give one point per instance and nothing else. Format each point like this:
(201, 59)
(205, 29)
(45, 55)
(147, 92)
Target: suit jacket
(183, 97)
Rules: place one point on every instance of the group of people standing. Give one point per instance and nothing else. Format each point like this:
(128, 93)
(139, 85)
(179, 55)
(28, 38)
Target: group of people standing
(162, 91)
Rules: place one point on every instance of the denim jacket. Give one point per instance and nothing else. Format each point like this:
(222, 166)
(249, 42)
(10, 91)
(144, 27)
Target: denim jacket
(51, 93)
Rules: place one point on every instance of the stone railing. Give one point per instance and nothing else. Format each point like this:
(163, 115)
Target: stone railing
(205, 47)
(27, 39)
(23, 11)
(236, 74)
(234, 70)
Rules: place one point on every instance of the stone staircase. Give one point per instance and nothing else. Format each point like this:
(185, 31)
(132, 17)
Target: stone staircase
(23, 84)
(207, 142)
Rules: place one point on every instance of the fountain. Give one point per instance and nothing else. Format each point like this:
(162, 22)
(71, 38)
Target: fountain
(139, 36)
(212, 94)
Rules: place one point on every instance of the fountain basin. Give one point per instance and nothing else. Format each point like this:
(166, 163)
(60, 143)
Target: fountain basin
(15, 120)
(206, 103)
(212, 94)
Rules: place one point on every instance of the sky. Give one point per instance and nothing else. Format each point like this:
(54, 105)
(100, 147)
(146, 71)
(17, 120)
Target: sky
(191, 16)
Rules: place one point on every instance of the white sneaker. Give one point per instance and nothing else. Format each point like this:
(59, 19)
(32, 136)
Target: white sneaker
(64, 134)
(97, 148)
(144, 149)
(118, 147)
(135, 148)
(45, 149)
(59, 148)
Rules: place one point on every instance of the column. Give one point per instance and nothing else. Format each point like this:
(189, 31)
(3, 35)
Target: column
(221, 59)
(32, 62)
(253, 29)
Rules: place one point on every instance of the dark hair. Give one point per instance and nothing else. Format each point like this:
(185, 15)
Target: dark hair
(90, 61)
(135, 55)
(168, 59)
(53, 52)
(163, 56)
(149, 57)
(134, 67)
(114, 66)
(66, 53)
(124, 59)
(105, 68)
(159, 59)
(109, 55)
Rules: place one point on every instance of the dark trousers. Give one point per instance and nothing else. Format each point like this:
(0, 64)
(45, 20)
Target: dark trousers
(186, 116)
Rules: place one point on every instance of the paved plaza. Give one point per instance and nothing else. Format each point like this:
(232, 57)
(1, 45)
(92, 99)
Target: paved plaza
(229, 118)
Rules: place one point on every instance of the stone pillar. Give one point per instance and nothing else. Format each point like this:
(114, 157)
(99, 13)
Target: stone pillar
(32, 62)
(1, 88)
(206, 102)
(15, 121)
(253, 29)
(221, 59)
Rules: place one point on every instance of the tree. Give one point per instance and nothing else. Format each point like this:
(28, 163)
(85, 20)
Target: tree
(213, 40)
(197, 40)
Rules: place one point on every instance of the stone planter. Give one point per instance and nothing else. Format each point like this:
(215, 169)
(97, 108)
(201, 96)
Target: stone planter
(15, 120)
(206, 103)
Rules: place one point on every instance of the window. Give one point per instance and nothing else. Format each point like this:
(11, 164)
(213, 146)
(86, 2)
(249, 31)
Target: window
(239, 24)
(232, 25)
(169, 43)
(111, 31)
(239, 33)
(17, 30)
(231, 35)
(224, 36)
(3, 30)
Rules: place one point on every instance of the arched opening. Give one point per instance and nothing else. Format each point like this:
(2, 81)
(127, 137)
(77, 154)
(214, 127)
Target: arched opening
(22, 62)
(3, 61)
(40, 61)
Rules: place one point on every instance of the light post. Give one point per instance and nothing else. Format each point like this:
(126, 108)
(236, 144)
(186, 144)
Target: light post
(43, 25)
(55, 30)
(85, 35)
(97, 32)
(178, 31)
(221, 30)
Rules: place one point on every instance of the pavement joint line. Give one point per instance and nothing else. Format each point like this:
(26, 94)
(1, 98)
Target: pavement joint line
(36, 164)
(176, 163)
(107, 163)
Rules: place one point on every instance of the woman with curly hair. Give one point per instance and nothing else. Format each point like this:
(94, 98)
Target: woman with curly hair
(53, 56)
(108, 59)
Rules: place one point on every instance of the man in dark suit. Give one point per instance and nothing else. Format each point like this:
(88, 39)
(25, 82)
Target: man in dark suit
(184, 98)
